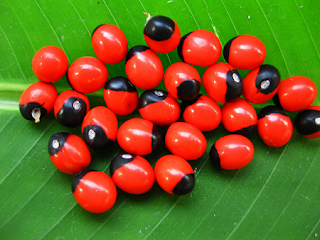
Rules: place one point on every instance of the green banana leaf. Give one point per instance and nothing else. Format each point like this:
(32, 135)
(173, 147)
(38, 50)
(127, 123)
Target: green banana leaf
(277, 196)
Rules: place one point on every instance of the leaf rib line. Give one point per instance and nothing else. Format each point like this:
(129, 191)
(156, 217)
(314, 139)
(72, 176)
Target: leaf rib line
(134, 22)
(54, 32)
(25, 203)
(14, 54)
(32, 146)
(284, 209)
(234, 26)
(92, 235)
(274, 36)
(213, 27)
(4, 126)
(59, 220)
(304, 21)
(259, 194)
(313, 229)
(247, 19)
(77, 12)
(223, 193)
(191, 14)
(163, 218)
(24, 29)
(114, 19)
(145, 10)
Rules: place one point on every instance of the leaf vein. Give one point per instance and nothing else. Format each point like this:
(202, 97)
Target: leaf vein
(304, 21)
(294, 193)
(77, 12)
(163, 218)
(26, 202)
(145, 10)
(54, 32)
(13, 53)
(191, 14)
(93, 233)
(56, 223)
(24, 155)
(114, 19)
(24, 29)
(134, 22)
(234, 26)
(259, 194)
(274, 36)
(3, 126)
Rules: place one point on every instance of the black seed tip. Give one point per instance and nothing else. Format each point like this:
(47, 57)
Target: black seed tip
(156, 137)
(70, 115)
(270, 110)
(95, 137)
(151, 96)
(135, 50)
(96, 29)
(246, 131)
(180, 46)
(267, 73)
(214, 156)
(159, 28)
(234, 85)
(56, 142)
(185, 185)
(77, 177)
(26, 110)
(276, 101)
(120, 84)
(163, 131)
(188, 89)
(186, 104)
(69, 80)
(119, 161)
(305, 122)
(226, 49)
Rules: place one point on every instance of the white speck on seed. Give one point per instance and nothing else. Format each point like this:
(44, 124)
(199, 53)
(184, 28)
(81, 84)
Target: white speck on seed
(55, 144)
(317, 120)
(126, 156)
(158, 93)
(91, 134)
(36, 114)
(236, 78)
(265, 84)
(76, 105)
(148, 17)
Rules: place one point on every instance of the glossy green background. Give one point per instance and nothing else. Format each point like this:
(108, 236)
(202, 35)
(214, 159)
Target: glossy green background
(275, 197)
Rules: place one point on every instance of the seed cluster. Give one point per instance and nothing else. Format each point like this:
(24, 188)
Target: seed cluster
(159, 108)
